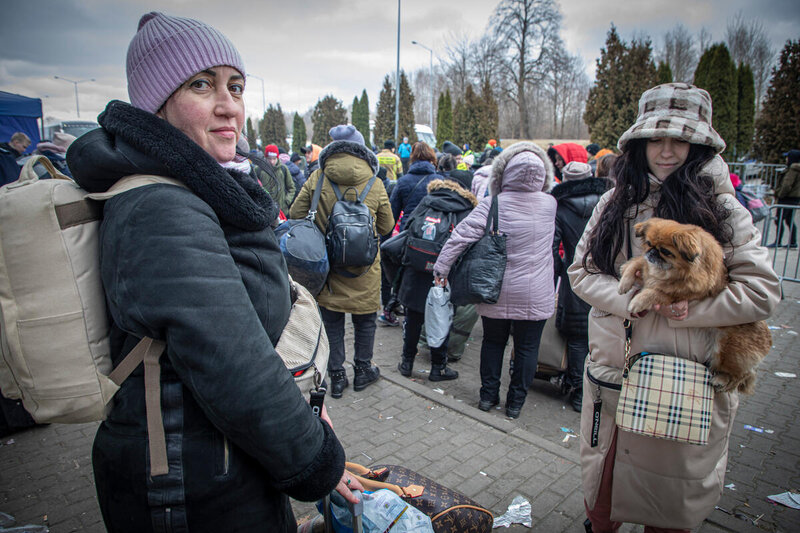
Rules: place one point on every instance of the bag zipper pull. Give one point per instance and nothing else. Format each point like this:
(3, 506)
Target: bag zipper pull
(317, 394)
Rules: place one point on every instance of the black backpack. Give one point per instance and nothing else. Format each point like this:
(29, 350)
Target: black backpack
(427, 234)
(351, 239)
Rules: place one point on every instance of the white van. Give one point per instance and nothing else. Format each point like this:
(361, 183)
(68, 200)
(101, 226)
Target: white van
(425, 134)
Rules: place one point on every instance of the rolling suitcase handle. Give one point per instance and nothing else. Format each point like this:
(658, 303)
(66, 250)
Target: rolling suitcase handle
(356, 509)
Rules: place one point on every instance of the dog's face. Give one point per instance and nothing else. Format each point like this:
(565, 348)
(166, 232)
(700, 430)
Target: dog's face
(670, 248)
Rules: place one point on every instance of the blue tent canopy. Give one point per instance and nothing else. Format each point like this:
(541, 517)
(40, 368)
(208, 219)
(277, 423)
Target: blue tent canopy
(19, 113)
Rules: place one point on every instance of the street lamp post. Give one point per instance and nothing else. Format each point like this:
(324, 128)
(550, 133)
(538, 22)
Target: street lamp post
(263, 94)
(430, 74)
(75, 83)
(397, 79)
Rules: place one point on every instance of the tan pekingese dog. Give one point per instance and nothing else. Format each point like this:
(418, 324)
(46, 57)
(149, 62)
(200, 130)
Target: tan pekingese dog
(685, 262)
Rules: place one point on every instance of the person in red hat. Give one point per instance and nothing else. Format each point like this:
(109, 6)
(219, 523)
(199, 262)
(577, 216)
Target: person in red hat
(279, 184)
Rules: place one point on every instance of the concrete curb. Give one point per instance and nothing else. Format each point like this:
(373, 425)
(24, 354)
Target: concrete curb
(504, 425)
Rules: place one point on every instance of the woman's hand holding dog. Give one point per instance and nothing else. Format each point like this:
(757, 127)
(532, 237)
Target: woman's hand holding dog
(674, 311)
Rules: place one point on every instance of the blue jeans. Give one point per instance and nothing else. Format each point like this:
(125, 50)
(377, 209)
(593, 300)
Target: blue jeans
(364, 329)
(527, 334)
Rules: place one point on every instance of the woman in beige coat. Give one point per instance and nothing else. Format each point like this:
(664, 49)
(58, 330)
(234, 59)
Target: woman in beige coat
(668, 168)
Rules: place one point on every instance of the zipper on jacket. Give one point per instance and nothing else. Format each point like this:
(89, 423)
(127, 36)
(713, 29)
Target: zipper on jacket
(226, 456)
(168, 519)
(601, 383)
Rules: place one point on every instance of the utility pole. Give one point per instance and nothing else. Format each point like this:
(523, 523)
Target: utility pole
(430, 75)
(397, 80)
(75, 83)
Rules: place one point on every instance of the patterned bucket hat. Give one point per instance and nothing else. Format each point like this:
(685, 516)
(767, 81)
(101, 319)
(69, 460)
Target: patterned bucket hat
(676, 110)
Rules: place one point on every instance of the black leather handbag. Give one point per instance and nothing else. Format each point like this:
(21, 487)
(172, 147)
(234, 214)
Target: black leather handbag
(477, 275)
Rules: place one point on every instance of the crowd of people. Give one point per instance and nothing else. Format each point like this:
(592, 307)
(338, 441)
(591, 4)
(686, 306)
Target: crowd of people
(200, 267)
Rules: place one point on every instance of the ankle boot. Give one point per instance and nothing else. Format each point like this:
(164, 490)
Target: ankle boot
(365, 374)
(576, 399)
(442, 373)
(405, 366)
(338, 382)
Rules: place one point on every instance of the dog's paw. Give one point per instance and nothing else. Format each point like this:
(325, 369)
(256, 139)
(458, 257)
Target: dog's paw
(747, 385)
(723, 382)
(637, 304)
(624, 285)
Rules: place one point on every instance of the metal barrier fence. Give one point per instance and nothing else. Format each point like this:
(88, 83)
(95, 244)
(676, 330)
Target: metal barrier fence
(758, 174)
(785, 258)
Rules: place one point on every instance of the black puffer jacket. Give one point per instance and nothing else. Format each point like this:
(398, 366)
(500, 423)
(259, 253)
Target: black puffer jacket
(576, 201)
(200, 269)
(446, 196)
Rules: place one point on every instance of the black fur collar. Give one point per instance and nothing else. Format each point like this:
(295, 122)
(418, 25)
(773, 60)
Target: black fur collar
(235, 197)
(580, 187)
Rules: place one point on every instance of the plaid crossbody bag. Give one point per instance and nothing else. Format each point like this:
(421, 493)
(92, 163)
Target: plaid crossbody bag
(664, 396)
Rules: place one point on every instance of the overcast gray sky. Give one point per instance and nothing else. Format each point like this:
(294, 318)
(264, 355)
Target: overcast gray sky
(304, 50)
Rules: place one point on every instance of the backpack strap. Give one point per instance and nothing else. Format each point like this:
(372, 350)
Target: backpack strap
(312, 210)
(134, 181)
(149, 351)
(359, 198)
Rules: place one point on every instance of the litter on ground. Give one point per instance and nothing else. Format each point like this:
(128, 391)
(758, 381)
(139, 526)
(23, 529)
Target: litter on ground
(789, 499)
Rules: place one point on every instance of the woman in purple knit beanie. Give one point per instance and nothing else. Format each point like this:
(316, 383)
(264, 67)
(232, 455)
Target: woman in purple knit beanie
(195, 263)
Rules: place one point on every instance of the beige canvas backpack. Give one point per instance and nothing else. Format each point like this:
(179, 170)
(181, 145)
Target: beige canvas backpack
(54, 330)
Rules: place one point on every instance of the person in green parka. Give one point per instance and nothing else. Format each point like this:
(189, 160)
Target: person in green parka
(350, 164)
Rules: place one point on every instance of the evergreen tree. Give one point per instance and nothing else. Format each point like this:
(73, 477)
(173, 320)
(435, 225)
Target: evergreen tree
(444, 122)
(778, 127)
(716, 73)
(406, 119)
(624, 72)
(664, 73)
(299, 135)
(328, 112)
(474, 131)
(250, 132)
(746, 104)
(361, 121)
(488, 118)
(384, 115)
(273, 127)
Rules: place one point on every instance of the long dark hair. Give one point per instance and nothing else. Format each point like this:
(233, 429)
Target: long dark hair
(686, 197)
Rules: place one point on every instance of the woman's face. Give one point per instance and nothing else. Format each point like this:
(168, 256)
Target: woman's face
(209, 109)
(665, 155)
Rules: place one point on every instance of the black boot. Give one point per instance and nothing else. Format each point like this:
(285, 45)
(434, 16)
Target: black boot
(576, 399)
(406, 365)
(365, 374)
(338, 382)
(442, 373)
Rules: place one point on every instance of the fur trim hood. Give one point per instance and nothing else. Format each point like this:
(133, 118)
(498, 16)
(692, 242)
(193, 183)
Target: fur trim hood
(445, 184)
(352, 148)
(501, 162)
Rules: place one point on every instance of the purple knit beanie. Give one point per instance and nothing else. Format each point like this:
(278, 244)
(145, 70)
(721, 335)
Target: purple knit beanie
(166, 51)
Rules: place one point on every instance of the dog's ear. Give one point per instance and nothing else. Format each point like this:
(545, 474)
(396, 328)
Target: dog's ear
(687, 245)
(641, 228)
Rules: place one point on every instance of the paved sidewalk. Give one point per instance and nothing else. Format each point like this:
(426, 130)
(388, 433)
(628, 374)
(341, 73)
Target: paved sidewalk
(436, 429)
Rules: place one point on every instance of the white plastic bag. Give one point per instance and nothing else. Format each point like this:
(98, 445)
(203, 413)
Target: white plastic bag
(385, 511)
(438, 315)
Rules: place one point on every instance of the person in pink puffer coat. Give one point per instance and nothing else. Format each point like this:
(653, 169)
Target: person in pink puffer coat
(520, 176)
